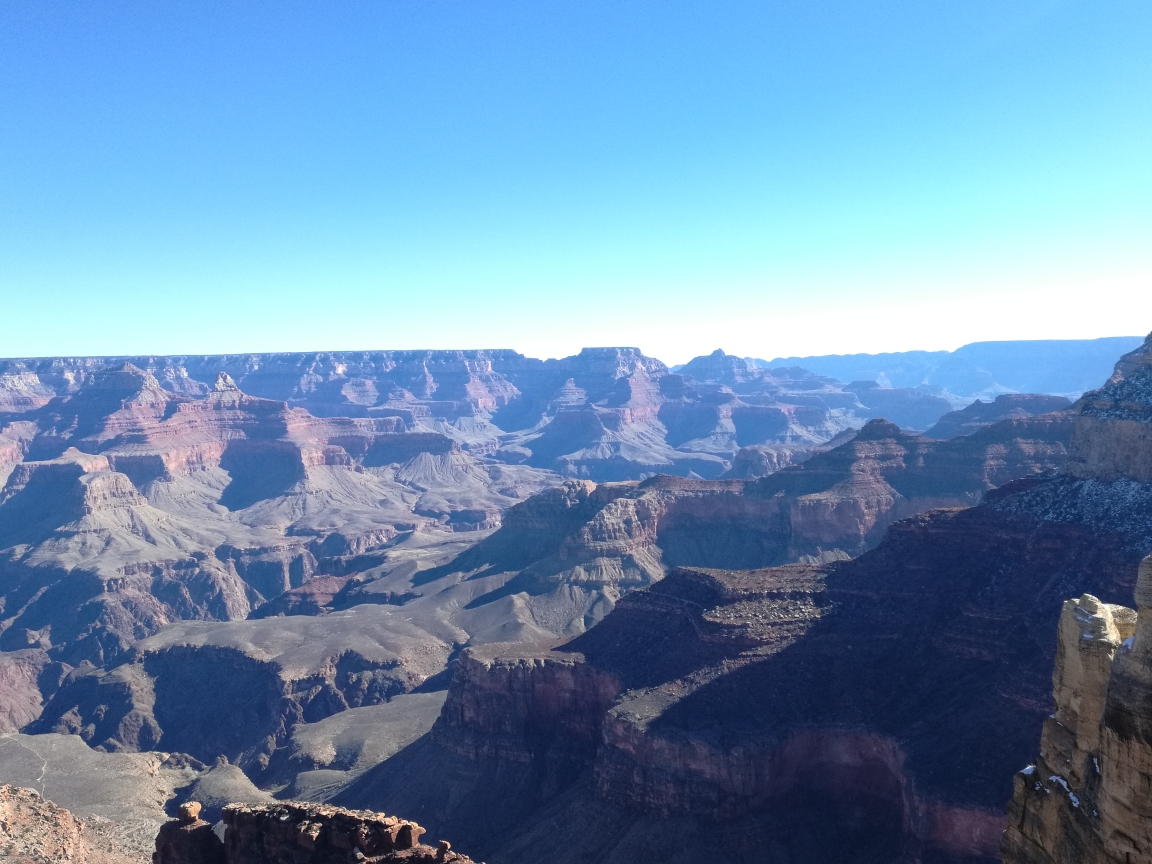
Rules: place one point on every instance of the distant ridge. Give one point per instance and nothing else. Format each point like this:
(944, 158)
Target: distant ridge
(980, 370)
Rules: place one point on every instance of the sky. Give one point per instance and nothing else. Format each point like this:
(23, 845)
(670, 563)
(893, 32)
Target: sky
(771, 178)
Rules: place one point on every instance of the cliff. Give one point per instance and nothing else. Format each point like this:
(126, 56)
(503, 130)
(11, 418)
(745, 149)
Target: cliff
(291, 833)
(1007, 406)
(872, 709)
(1084, 799)
(1113, 433)
(129, 506)
(605, 413)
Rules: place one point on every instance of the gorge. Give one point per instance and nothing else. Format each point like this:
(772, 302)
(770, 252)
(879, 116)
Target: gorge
(722, 613)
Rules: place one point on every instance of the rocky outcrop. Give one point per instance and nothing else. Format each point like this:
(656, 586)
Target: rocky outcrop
(1113, 434)
(35, 831)
(1084, 799)
(291, 833)
(188, 839)
(1007, 406)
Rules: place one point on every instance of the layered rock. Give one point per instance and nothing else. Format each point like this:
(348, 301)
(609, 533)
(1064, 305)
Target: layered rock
(871, 709)
(576, 549)
(238, 689)
(1113, 434)
(1007, 406)
(35, 831)
(134, 506)
(318, 834)
(1085, 797)
(606, 413)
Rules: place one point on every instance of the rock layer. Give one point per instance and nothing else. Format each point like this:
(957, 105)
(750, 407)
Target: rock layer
(1085, 798)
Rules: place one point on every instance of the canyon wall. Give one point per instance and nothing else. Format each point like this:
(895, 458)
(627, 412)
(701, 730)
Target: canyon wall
(1085, 799)
(292, 833)
(872, 709)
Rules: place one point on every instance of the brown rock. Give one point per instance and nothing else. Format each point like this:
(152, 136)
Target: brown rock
(297, 833)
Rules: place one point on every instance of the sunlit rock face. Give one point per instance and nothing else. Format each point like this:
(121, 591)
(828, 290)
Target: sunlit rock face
(1084, 799)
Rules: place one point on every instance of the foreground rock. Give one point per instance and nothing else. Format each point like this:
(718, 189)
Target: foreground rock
(1085, 800)
(291, 833)
(36, 831)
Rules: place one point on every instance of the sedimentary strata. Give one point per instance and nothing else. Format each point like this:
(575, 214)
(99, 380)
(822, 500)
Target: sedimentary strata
(1007, 406)
(291, 833)
(872, 709)
(1084, 799)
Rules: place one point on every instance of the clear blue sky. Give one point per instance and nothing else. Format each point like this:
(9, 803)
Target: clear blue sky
(769, 177)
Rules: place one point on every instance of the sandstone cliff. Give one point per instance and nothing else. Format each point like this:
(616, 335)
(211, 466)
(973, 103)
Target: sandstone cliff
(1085, 798)
(1113, 434)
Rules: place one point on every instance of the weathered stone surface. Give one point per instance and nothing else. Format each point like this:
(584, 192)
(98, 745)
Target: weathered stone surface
(291, 833)
(1113, 432)
(36, 831)
(1085, 800)
(188, 840)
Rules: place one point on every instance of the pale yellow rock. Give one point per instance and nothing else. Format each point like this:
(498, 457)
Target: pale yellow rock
(1088, 798)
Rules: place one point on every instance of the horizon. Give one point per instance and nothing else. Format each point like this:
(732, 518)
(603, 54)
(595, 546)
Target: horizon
(784, 180)
(493, 350)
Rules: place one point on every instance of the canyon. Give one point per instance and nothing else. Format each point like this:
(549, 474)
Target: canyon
(725, 612)
(874, 709)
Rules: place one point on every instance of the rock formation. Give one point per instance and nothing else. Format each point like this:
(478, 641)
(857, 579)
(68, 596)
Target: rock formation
(1085, 798)
(131, 506)
(188, 840)
(582, 546)
(1007, 406)
(865, 710)
(291, 833)
(606, 413)
(35, 831)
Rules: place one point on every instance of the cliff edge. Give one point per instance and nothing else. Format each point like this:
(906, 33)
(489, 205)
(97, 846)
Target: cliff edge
(1085, 800)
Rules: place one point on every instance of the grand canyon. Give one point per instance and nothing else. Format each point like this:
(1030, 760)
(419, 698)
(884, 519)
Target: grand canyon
(581, 610)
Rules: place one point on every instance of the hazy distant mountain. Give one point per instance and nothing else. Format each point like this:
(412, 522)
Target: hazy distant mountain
(1066, 367)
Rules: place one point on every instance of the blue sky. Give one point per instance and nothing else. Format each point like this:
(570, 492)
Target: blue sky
(773, 178)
